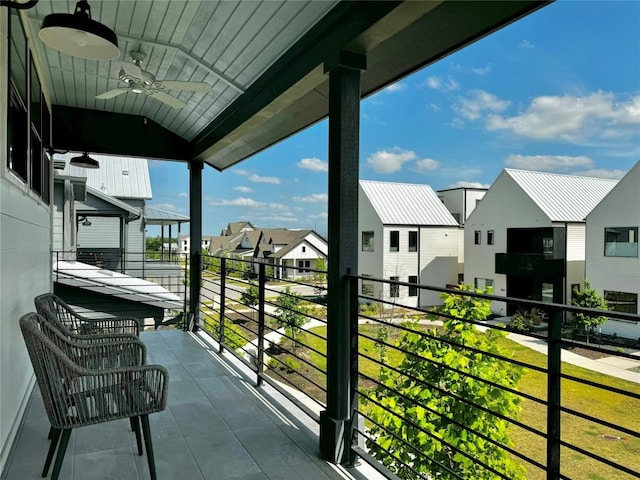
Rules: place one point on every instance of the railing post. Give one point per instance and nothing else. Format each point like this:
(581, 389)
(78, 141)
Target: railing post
(223, 301)
(553, 396)
(185, 282)
(261, 285)
(353, 309)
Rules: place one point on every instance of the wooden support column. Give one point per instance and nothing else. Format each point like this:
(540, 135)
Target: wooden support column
(344, 136)
(195, 212)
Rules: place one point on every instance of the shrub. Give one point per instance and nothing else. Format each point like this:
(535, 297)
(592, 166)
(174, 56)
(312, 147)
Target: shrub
(292, 364)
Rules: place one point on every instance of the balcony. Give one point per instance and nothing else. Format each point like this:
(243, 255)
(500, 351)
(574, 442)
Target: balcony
(529, 265)
(247, 396)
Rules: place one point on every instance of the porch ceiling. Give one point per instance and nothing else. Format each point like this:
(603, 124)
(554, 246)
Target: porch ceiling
(265, 62)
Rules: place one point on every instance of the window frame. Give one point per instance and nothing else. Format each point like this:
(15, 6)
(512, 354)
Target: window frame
(607, 293)
(413, 291)
(368, 246)
(632, 233)
(490, 237)
(477, 237)
(304, 266)
(394, 289)
(412, 239)
(394, 241)
(367, 283)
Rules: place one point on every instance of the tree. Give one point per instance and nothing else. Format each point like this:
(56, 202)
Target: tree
(250, 296)
(320, 276)
(588, 298)
(423, 396)
(289, 315)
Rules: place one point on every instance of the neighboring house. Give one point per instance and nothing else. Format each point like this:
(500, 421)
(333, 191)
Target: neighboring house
(461, 201)
(406, 234)
(106, 226)
(612, 260)
(526, 238)
(235, 228)
(291, 252)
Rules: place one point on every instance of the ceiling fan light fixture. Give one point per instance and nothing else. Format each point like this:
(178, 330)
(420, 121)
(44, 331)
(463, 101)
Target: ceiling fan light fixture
(84, 161)
(137, 87)
(78, 35)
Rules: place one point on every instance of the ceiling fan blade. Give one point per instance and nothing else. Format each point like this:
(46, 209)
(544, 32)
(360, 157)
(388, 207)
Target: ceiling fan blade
(132, 70)
(168, 99)
(112, 93)
(190, 86)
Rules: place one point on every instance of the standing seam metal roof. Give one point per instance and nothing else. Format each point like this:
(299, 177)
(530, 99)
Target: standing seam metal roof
(563, 198)
(406, 204)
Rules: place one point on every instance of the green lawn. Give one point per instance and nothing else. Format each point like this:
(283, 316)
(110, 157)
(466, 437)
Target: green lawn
(614, 408)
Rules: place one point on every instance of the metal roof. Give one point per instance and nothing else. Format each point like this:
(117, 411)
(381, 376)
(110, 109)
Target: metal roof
(563, 198)
(406, 204)
(155, 216)
(121, 177)
(114, 201)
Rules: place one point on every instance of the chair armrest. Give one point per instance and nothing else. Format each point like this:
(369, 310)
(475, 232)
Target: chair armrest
(90, 326)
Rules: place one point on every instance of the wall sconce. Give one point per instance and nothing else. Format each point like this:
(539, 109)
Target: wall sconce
(84, 221)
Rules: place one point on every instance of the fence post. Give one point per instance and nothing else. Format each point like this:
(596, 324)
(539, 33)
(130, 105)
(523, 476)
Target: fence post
(353, 354)
(554, 396)
(261, 286)
(223, 277)
(185, 282)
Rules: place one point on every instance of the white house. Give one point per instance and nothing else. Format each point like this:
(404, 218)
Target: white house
(526, 237)
(612, 261)
(291, 252)
(461, 201)
(406, 234)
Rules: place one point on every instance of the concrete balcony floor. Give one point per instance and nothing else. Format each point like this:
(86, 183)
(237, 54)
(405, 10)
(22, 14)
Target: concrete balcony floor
(217, 426)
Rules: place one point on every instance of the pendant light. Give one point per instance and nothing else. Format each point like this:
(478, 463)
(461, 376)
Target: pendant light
(78, 35)
(84, 161)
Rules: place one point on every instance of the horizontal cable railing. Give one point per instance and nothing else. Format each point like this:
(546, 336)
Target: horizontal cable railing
(269, 323)
(107, 282)
(450, 391)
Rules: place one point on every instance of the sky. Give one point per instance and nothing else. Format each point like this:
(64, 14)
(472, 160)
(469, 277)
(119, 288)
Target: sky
(558, 91)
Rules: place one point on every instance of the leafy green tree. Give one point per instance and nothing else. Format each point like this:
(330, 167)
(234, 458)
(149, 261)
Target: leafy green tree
(424, 397)
(320, 276)
(589, 298)
(250, 296)
(289, 313)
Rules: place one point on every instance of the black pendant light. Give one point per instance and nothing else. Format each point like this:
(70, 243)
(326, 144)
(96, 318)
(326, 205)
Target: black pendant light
(78, 35)
(84, 161)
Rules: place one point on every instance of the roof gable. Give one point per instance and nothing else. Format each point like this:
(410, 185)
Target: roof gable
(629, 186)
(563, 198)
(406, 204)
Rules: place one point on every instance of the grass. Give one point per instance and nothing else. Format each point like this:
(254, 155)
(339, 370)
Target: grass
(612, 407)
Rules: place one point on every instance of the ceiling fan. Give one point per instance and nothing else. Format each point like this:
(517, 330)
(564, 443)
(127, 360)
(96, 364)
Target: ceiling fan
(139, 81)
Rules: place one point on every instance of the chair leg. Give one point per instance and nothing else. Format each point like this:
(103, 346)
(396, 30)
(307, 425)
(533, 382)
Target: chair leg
(133, 427)
(62, 449)
(135, 424)
(54, 436)
(148, 445)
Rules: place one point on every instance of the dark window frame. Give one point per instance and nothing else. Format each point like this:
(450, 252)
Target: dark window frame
(368, 246)
(413, 240)
(613, 300)
(609, 232)
(490, 237)
(394, 289)
(477, 237)
(413, 291)
(394, 241)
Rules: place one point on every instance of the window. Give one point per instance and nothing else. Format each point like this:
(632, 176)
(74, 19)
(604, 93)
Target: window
(547, 246)
(18, 126)
(460, 278)
(394, 290)
(303, 265)
(367, 286)
(621, 301)
(394, 241)
(304, 249)
(367, 241)
(413, 291)
(482, 283)
(621, 242)
(489, 237)
(477, 237)
(413, 241)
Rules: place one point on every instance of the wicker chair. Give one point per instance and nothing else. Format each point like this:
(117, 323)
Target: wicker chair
(76, 393)
(71, 323)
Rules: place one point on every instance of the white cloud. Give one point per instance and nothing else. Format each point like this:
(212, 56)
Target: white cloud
(426, 165)
(258, 179)
(602, 173)
(183, 195)
(237, 202)
(167, 206)
(548, 163)
(243, 189)
(390, 161)
(313, 198)
(443, 84)
(463, 184)
(314, 164)
(278, 206)
(482, 70)
(479, 102)
(239, 171)
(395, 87)
(573, 119)
(526, 44)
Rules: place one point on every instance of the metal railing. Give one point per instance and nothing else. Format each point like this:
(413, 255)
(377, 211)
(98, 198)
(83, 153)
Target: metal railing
(124, 284)
(499, 403)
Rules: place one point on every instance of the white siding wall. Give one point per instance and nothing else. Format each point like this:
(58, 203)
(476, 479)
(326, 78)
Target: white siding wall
(104, 232)
(472, 200)
(454, 201)
(369, 263)
(575, 256)
(58, 218)
(438, 260)
(318, 243)
(621, 208)
(504, 206)
(401, 264)
(25, 271)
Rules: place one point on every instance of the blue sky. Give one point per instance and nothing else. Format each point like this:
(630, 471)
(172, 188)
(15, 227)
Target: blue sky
(558, 91)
